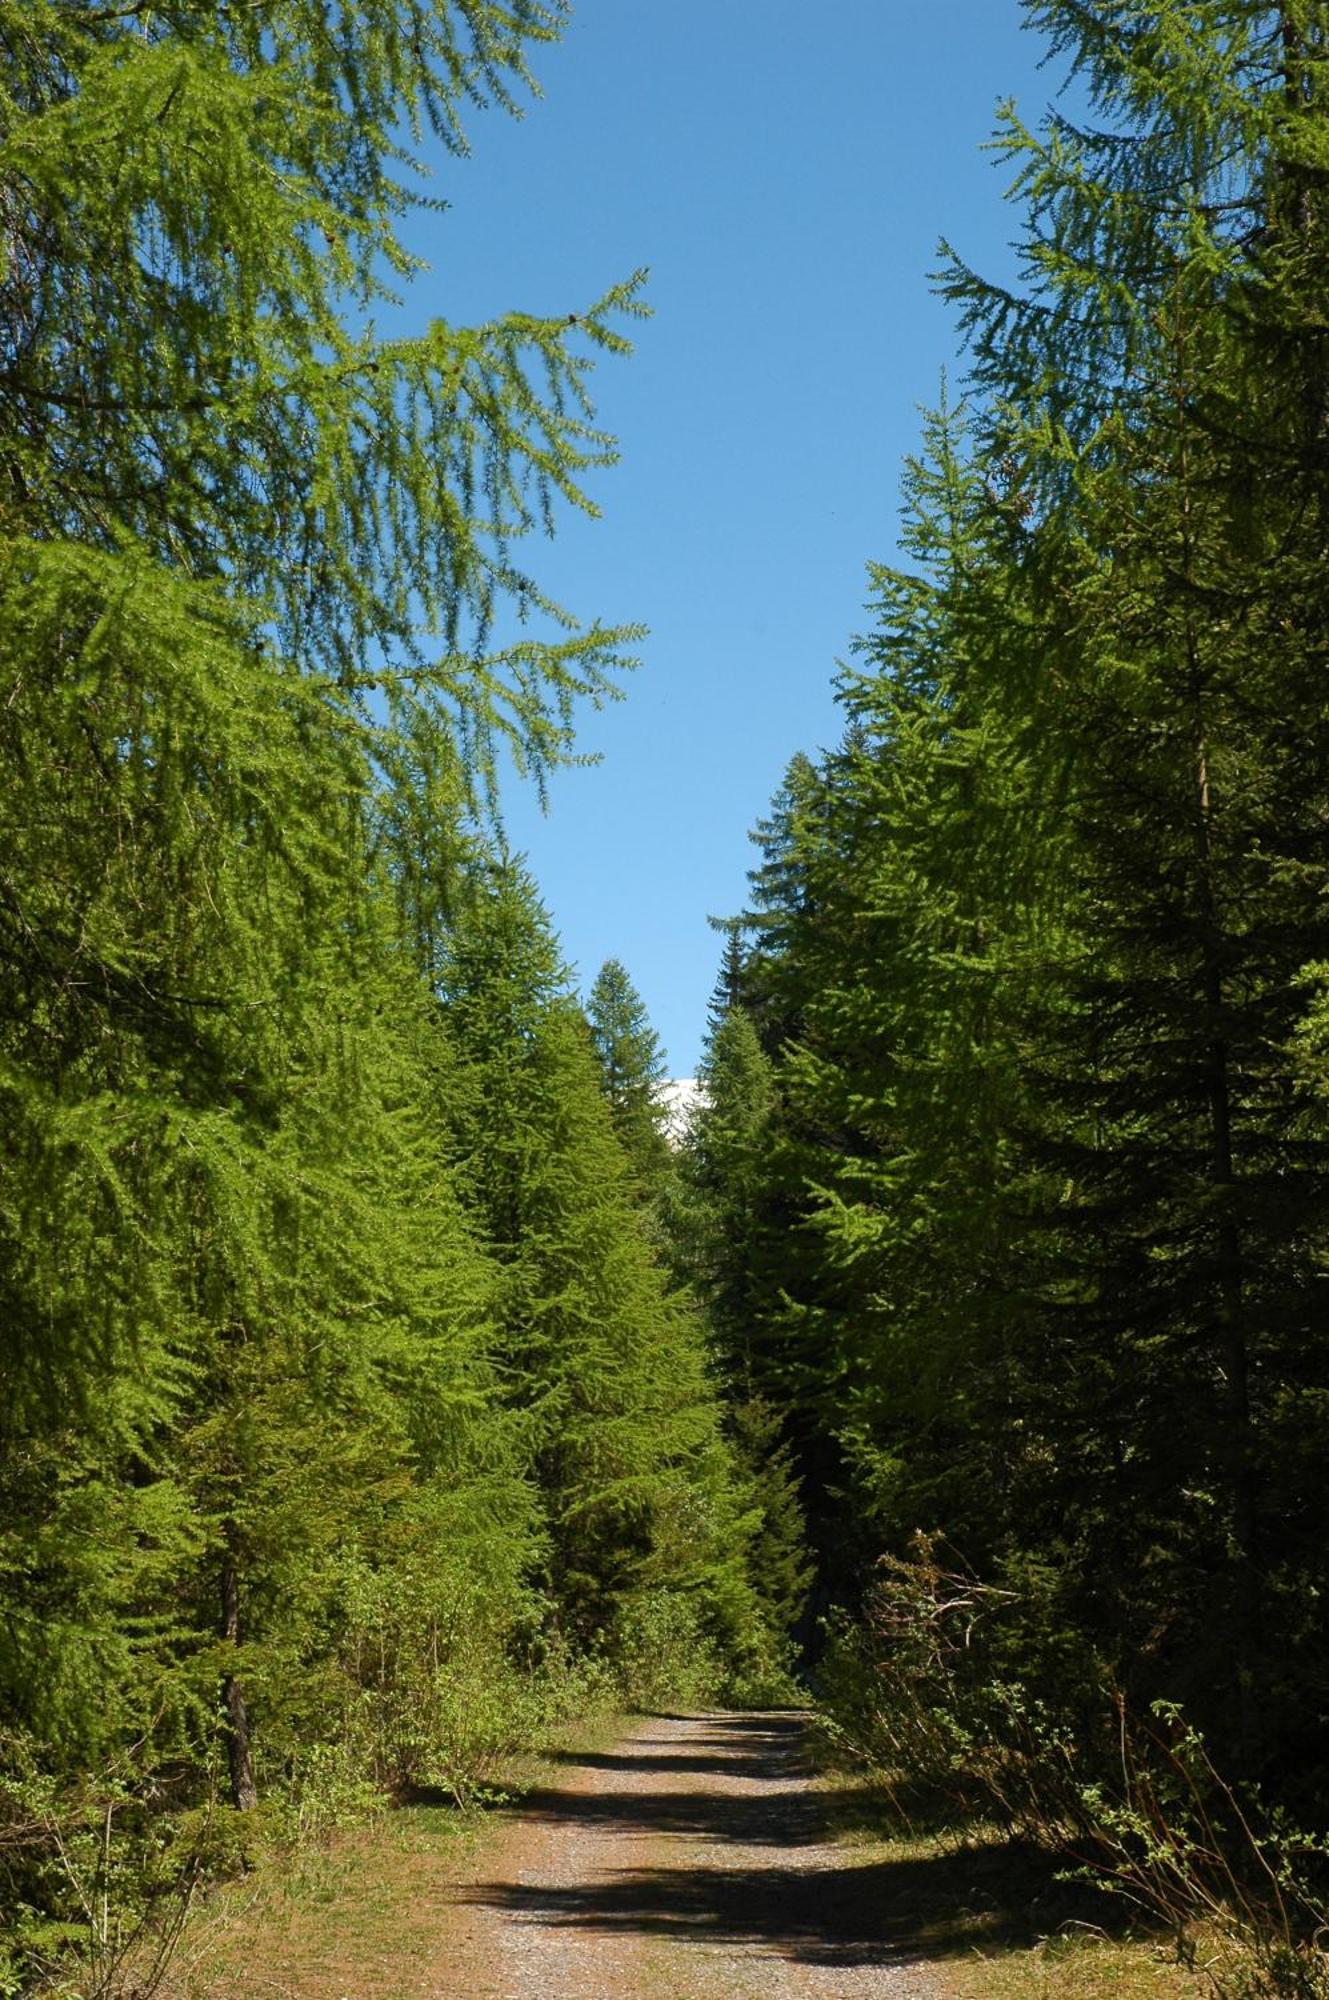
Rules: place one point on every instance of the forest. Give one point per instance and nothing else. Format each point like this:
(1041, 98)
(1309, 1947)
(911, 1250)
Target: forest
(380, 1381)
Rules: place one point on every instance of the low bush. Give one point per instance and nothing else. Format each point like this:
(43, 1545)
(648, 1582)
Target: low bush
(921, 1689)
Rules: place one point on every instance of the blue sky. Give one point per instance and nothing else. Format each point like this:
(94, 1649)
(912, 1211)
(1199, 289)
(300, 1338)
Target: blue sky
(785, 172)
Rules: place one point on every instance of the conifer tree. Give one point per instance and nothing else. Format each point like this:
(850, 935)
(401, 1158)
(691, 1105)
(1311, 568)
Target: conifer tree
(730, 980)
(722, 1169)
(632, 1069)
(604, 1366)
(721, 1239)
(1172, 259)
(255, 561)
(206, 217)
(899, 912)
(231, 515)
(1031, 945)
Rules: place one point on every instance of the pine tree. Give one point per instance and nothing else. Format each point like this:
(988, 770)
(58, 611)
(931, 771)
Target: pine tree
(603, 1364)
(257, 579)
(632, 1068)
(1188, 606)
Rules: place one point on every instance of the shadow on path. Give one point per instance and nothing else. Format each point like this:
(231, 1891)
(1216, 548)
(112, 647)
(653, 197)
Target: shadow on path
(741, 1879)
(760, 1819)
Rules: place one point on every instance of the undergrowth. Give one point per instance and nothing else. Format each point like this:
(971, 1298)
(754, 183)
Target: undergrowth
(1133, 1806)
(101, 1874)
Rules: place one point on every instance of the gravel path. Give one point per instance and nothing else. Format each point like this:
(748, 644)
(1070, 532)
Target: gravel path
(690, 1861)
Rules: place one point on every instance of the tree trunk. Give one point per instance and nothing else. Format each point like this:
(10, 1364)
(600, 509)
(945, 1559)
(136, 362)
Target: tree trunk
(244, 1792)
(1235, 1434)
(1233, 1355)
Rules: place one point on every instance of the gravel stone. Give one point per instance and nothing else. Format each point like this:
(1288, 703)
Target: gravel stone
(691, 1860)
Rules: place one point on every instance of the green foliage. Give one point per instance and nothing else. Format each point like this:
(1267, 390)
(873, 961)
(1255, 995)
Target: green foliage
(604, 1366)
(205, 221)
(713, 1217)
(714, 1220)
(346, 1422)
(777, 1559)
(919, 1688)
(1033, 1242)
(632, 1068)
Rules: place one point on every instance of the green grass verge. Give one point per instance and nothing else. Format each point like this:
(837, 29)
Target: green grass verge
(989, 1915)
(357, 1912)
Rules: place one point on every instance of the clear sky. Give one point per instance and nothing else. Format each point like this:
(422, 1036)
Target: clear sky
(785, 172)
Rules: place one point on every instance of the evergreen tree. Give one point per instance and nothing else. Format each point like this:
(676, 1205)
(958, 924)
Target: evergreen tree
(899, 914)
(722, 1173)
(258, 1477)
(1046, 1176)
(729, 980)
(1185, 611)
(632, 1069)
(719, 1235)
(605, 1366)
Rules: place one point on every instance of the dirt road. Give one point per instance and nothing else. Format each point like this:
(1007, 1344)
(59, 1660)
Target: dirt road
(690, 1861)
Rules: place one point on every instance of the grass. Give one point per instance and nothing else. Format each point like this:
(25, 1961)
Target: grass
(360, 1915)
(1075, 1968)
(990, 1915)
(355, 1916)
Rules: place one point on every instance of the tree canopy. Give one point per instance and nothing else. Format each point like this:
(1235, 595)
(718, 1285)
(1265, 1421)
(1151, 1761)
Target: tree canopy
(348, 1426)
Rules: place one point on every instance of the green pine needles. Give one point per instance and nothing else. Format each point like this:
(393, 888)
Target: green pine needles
(201, 224)
(348, 1425)
(1034, 1261)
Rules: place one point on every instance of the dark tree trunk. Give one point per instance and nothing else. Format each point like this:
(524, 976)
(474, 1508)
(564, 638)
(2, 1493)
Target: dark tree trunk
(1236, 1440)
(244, 1792)
(1233, 1354)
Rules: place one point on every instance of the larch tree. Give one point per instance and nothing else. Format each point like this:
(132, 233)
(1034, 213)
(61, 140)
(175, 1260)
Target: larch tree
(264, 628)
